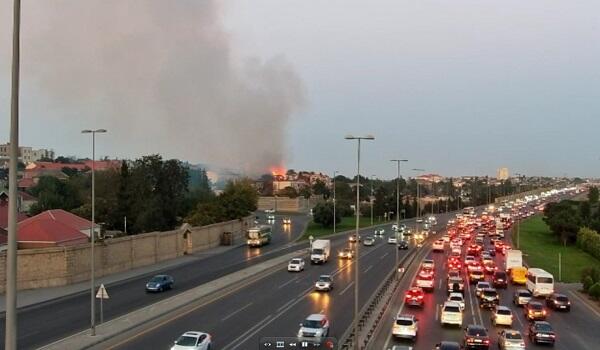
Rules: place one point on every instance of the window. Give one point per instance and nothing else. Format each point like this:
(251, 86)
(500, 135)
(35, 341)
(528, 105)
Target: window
(404, 322)
(544, 280)
(451, 308)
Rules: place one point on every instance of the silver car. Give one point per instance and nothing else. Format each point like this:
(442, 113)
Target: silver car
(522, 297)
(510, 339)
(314, 326)
(324, 283)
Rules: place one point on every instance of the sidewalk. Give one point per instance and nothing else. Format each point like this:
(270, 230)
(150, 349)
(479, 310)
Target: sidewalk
(34, 296)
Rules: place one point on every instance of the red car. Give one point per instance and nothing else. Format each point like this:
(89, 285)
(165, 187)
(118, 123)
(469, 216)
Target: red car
(474, 250)
(489, 267)
(454, 264)
(414, 296)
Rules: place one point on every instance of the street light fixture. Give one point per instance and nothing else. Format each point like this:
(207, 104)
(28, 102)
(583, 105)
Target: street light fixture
(397, 161)
(92, 231)
(357, 212)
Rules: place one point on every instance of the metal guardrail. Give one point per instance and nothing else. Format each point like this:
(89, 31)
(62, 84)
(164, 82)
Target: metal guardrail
(372, 312)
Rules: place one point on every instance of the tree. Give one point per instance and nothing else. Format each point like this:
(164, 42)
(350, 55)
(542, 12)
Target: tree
(320, 188)
(564, 220)
(593, 195)
(323, 214)
(239, 199)
(585, 211)
(289, 192)
(53, 193)
(305, 192)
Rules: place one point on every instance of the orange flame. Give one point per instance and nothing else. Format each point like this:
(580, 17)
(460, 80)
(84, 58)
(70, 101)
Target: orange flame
(277, 170)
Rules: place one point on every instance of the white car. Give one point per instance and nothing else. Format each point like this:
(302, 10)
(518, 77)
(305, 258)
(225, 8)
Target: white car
(425, 282)
(392, 240)
(438, 246)
(324, 283)
(502, 315)
(394, 227)
(192, 341)
(314, 326)
(405, 326)
(451, 314)
(458, 298)
(446, 238)
(287, 221)
(296, 264)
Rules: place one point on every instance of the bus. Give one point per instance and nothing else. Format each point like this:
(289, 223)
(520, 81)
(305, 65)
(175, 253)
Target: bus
(539, 282)
(259, 236)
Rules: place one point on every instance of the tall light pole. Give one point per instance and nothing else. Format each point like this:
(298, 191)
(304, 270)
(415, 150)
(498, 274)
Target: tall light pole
(418, 201)
(357, 212)
(334, 223)
(371, 198)
(92, 232)
(10, 338)
(397, 161)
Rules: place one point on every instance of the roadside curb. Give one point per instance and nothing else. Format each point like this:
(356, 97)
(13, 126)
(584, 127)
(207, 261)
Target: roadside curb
(117, 330)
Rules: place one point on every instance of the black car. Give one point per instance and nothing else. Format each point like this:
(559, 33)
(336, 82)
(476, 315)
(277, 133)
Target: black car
(534, 311)
(476, 337)
(160, 283)
(558, 301)
(403, 245)
(489, 298)
(492, 252)
(447, 345)
(541, 332)
(500, 279)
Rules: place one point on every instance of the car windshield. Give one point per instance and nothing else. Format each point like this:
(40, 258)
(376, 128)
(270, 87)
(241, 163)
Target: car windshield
(513, 335)
(404, 322)
(500, 275)
(157, 279)
(536, 306)
(185, 340)
(524, 294)
(483, 285)
(311, 324)
(295, 261)
(503, 312)
(490, 293)
(317, 251)
(476, 332)
(451, 308)
(543, 327)
(456, 298)
(562, 298)
(324, 279)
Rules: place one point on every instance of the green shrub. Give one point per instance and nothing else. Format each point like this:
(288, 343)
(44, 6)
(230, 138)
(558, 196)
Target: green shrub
(592, 272)
(594, 291)
(589, 241)
(587, 283)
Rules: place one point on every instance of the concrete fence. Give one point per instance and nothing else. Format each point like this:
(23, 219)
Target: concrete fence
(59, 266)
(285, 204)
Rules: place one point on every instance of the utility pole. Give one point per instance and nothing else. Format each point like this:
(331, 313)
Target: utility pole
(371, 198)
(398, 210)
(10, 338)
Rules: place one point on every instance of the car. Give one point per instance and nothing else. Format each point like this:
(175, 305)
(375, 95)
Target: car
(269, 211)
(346, 253)
(502, 315)
(403, 245)
(510, 339)
(394, 228)
(401, 347)
(426, 272)
(558, 301)
(192, 340)
(446, 238)
(500, 279)
(438, 246)
(489, 267)
(534, 311)
(456, 284)
(392, 240)
(476, 337)
(324, 283)
(522, 297)
(296, 264)
(379, 233)
(287, 221)
(489, 298)
(453, 264)
(447, 345)
(476, 266)
(474, 250)
(405, 326)
(369, 241)
(451, 314)
(457, 297)
(480, 286)
(541, 332)
(428, 263)
(414, 297)
(425, 282)
(492, 252)
(455, 251)
(270, 217)
(160, 283)
(314, 326)
(470, 259)
(354, 238)
(476, 276)
(419, 220)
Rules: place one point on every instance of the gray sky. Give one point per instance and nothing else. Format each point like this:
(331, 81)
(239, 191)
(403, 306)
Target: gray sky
(457, 87)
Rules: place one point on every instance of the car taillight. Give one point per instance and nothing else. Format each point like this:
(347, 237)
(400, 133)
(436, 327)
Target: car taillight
(543, 312)
(420, 297)
(486, 341)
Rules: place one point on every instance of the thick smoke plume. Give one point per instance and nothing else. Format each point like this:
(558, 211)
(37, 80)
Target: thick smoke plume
(162, 77)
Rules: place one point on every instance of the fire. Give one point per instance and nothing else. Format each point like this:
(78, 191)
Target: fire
(277, 170)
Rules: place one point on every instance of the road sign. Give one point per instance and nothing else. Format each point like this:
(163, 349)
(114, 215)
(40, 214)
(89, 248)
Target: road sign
(102, 293)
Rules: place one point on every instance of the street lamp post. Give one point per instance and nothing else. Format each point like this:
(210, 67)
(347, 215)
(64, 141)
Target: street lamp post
(334, 223)
(397, 161)
(10, 338)
(357, 212)
(371, 198)
(93, 231)
(418, 201)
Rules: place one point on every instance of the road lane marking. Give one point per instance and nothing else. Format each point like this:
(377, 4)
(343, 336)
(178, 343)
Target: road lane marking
(346, 289)
(384, 255)
(440, 284)
(367, 269)
(286, 304)
(288, 282)
(246, 335)
(585, 303)
(437, 311)
(235, 312)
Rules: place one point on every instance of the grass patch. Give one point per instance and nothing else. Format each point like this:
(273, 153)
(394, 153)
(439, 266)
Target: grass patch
(347, 223)
(542, 248)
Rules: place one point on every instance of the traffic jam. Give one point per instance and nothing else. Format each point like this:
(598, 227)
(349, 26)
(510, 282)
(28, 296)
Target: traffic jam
(474, 292)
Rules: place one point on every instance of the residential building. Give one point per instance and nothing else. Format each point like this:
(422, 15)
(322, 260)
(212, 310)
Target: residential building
(24, 200)
(502, 174)
(4, 213)
(431, 178)
(26, 154)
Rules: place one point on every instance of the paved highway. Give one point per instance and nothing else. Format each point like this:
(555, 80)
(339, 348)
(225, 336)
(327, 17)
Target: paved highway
(275, 305)
(577, 329)
(46, 322)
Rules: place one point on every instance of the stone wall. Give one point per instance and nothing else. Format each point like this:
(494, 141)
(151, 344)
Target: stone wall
(59, 266)
(284, 204)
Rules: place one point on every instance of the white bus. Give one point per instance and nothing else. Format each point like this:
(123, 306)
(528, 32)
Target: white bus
(539, 282)
(259, 236)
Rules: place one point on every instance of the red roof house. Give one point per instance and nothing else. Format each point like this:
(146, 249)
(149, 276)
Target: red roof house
(51, 228)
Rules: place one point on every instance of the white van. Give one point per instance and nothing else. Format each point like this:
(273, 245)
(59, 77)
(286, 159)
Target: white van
(451, 314)
(539, 282)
